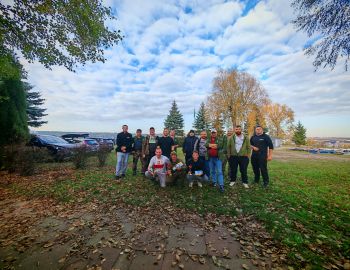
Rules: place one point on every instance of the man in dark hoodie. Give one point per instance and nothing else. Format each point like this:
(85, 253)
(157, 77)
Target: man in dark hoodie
(189, 145)
(262, 147)
(124, 147)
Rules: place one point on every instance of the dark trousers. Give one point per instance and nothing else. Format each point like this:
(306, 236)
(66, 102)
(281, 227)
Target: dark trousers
(206, 169)
(147, 160)
(188, 156)
(137, 155)
(259, 164)
(241, 162)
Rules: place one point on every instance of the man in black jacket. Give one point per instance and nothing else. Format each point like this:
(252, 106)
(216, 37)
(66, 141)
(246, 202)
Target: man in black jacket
(189, 145)
(262, 152)
(124, 147)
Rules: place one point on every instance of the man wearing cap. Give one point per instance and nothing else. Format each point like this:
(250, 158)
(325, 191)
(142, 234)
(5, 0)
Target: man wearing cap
(215, 154)
(177, 169)
(262, 147)
(238, 150)
(189, 145)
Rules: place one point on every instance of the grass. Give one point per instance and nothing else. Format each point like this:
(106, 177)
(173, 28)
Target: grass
(306, 207)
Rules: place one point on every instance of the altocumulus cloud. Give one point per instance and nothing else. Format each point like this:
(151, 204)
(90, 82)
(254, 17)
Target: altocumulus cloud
(172, 50)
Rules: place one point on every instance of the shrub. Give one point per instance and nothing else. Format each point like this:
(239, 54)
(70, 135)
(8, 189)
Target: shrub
(80, 157)
(102, 154)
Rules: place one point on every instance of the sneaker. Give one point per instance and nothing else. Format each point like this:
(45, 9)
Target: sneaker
(117, 177)
(200, 184)
(190, 184)
(232, 183)
(222, 189)
(246, 185)
(123, 175)
(213, 184)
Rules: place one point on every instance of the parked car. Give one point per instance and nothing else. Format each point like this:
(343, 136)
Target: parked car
(75, 137)
(91, 144)
(103, 141)
(59, 148)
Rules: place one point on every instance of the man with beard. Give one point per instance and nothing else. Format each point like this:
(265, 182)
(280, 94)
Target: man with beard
(166, 143)
(149, 147)
(238, 150)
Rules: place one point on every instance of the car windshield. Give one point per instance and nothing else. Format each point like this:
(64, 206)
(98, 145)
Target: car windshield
(52, 139)
(91, 142)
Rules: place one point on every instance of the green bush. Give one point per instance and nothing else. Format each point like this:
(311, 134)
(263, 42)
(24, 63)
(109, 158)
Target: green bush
(102, 154)
(80, 157)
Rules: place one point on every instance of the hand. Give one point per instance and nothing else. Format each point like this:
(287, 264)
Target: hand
(123, 148)
(214, 146)
(269, 158)
(168, 172)
(143, 156)
(151, 173)
(255, 148)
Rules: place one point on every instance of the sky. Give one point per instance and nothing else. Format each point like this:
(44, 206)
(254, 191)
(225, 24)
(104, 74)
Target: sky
(173, 50)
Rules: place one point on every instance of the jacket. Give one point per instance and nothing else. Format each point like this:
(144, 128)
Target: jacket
(145, 145)
(189, 145)
(124, 139)
(142, 140)
(220, 142)
(231, 147)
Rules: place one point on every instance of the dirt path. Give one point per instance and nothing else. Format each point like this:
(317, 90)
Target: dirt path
(41, 234)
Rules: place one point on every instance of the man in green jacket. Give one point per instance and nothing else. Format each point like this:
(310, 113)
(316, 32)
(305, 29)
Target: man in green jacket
(238, 150)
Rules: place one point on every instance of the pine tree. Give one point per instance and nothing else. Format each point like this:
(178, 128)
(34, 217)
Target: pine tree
(34, 112)
(175, 120)
(200, 122)
(299, 137)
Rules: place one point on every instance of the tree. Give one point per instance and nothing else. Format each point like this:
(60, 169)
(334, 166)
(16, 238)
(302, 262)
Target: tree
(200, 122)
(279, 118)
(56, 32)
(175, 120)
(34, 112)
(13, 116)
(330, 19)
(235, 94)
(299, 137)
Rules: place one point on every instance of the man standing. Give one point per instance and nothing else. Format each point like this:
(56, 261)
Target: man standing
(196, 168)
(226, 156)
(215, 154)
(137, 152)
(262, 152)
(124, 147)
(200, 147)
(149, 147)
(177, 169)
(188, 145)
(238, 150)
(166, 143)
(157, 168)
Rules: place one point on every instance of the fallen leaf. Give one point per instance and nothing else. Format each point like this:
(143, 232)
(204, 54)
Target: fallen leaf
(181, 266)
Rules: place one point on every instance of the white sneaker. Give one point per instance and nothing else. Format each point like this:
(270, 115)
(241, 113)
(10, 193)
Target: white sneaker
(190, 185)
(200, 184)
(232, 184)
(246, 185)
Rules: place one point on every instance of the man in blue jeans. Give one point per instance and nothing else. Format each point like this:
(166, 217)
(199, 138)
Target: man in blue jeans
(124, 147)
(215, 154)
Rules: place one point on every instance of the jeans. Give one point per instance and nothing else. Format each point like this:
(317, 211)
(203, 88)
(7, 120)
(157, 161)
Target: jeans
(207, 169)
(241, 162)
(122, 163)
(215, 165)
(161, 177)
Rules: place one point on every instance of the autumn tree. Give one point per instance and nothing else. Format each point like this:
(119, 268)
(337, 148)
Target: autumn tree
(55, 32)
(330, 21)
(175, 120)
(279, 118)
(235, 94)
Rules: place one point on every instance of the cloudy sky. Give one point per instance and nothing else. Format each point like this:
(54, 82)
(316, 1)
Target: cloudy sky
(173, 49)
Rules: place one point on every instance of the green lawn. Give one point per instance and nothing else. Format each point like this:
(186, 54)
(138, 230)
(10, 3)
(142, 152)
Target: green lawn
(306, 207)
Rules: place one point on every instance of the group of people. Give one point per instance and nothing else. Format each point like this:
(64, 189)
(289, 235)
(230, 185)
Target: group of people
(206, 156)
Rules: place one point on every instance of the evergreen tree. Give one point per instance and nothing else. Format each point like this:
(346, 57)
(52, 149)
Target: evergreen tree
(200, 122)
(34, 112)
(175, 120)
(13, 116)
(299, 137)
